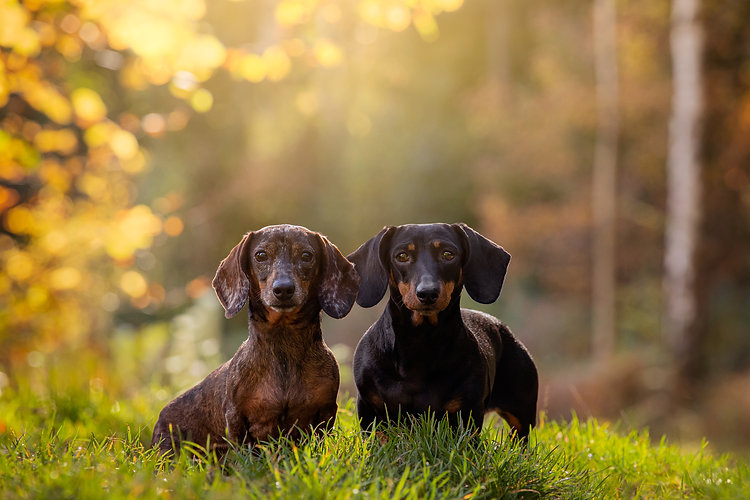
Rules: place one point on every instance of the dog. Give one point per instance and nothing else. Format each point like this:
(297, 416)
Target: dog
(427, 354)
(283, 378)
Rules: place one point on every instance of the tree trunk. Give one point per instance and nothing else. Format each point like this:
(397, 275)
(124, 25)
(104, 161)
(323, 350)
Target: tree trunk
(604, 180)
(683, 188)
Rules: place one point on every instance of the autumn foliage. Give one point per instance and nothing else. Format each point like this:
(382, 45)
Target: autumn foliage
(72, 221)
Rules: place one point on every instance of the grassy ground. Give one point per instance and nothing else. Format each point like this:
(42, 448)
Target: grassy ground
(85, 445)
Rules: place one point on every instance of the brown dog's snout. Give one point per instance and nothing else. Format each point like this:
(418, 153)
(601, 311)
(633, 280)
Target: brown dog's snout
(283, 288)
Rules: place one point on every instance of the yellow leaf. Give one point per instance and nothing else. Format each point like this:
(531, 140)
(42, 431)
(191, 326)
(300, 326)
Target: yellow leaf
(93, 185)
(44, 97)
(397, 17)
(202, 100)
(99, 134)
(37, 297)
(123, 144)
(64, 278)
(253, 68)
(88, 106)
(19, 220)
(63, 141)
(133, 284)
(426, 26)
(327, 53)
(135, 164)
(289, 13)
(19, 265)
(14, 30)
(8, 198)
(278, 63)
(70, 47)
(134, 229)
(201, 55)
(55, 242)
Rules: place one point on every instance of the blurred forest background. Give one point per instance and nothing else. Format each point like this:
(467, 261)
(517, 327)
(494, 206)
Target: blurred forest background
(604, 143)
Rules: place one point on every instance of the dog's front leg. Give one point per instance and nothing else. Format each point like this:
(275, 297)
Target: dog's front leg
(365, 413)
(236, 428)
(326, 417)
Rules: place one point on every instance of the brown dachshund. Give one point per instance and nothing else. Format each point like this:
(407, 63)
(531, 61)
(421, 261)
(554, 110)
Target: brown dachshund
(425, 353)
(283, 378)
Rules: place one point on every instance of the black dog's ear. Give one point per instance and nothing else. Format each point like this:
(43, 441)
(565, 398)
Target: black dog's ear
(484, 267)
(231, 283)
(370, 265)
(339, 281)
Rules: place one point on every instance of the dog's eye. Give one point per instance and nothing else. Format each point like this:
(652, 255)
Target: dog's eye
(402, 257)
(306, 257)
(260, 256)
(448, 255)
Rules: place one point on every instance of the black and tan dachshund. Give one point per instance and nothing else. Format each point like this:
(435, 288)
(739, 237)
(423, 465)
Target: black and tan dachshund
(425, 353)
(283, 378)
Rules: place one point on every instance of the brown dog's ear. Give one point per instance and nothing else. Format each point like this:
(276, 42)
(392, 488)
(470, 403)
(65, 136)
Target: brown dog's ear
(339, 282)
(231, 282)
(485, 265)
(370, 264)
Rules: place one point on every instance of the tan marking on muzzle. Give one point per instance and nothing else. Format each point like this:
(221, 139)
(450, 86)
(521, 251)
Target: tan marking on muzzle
(409, 295)
(412, 302)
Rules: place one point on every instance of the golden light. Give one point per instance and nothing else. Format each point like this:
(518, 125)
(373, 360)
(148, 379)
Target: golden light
(278, 63)
(19, 265)
(154, 124)
(63, 141)
(173, 226)
(64, 278)
(88, 105)
(19, 220)
(195, 288)
(8, 197)
(448, 5)
(201, 55)
(397, 17)
(202, 100)
(133, 229)
(133, 284)
(327, 53)
(253, 68)
(44, 97)
(123, 144)
(290, 13)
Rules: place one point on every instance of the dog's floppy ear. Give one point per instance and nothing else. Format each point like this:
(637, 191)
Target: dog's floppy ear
(231, 283)
(484, 267)
(370, 265)
(339, 282)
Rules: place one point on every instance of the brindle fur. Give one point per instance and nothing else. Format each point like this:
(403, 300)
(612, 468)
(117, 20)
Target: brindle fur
(283, 378)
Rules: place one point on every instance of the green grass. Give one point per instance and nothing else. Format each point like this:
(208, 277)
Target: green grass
(81, 444)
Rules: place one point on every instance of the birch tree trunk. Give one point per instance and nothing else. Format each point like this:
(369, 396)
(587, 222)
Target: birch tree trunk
(683, 184)
(604, 180)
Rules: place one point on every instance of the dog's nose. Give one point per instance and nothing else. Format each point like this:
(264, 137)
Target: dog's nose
(428, 293)
(283, 289)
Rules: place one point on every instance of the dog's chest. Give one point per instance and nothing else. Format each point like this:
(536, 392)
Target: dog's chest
(283, 402)
(417, 383)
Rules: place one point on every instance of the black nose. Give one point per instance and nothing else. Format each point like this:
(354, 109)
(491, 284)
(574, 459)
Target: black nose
(283, 289)
(428, 294)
